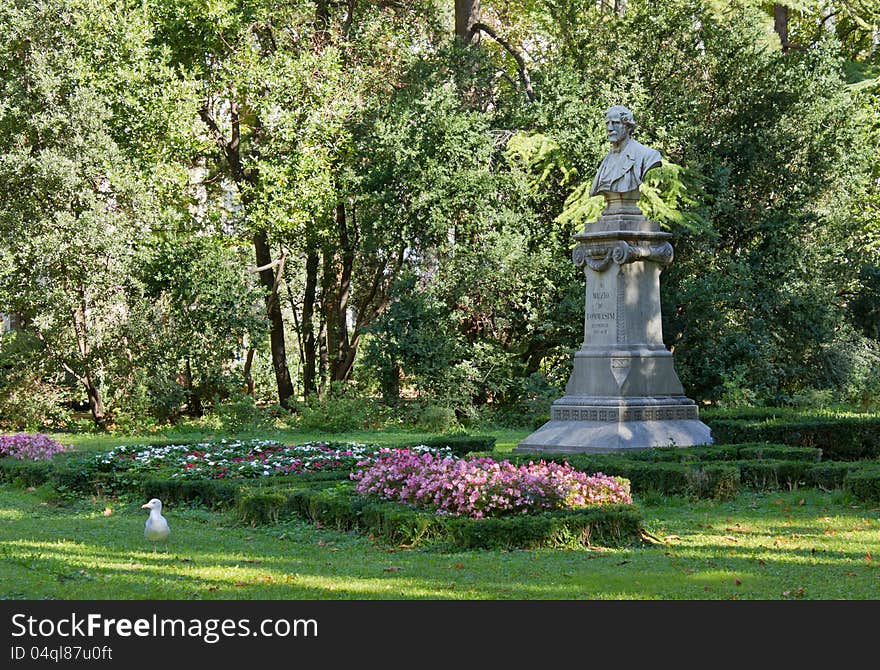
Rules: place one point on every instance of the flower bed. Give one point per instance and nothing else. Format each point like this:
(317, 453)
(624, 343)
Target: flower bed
(26, 446)
(483, 487)
(242, 458)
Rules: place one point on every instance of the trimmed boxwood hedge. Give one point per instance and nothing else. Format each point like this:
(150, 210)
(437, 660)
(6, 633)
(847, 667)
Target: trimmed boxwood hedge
(864, 483)
(840, 439)
(460, 445)
(394, 523)
(703, 480)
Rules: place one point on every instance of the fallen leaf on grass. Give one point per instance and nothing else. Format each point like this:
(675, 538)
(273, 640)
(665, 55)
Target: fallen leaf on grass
(761, 561)
(868, 557)
(251, 560)
(392, 568)
(622, 563)
(214, 588)
(730, 538)
(850, 574)
(248, 538)
(796, 593)
(707, 588)
(458, 566)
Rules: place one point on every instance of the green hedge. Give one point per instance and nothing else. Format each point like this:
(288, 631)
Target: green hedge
(460, 445)
(401, 525)
(840, 439)
(24, 472)
(704, 480)
(864, 482)
(726, 452)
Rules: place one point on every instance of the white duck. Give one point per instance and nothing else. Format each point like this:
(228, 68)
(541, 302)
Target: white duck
(156, 529)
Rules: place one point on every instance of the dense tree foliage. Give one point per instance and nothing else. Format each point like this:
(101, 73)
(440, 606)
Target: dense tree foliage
(259, 200)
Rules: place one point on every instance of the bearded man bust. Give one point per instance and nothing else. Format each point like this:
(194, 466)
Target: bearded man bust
(624, 167)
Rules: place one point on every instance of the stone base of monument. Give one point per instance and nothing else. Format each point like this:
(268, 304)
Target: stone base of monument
(605, 425)
(623, 393)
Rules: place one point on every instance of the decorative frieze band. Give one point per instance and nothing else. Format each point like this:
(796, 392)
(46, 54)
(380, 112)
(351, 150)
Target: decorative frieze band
(624, 413)
(600, 257)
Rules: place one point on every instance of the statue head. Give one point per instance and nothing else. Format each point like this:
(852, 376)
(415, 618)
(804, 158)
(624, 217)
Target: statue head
(619, 122)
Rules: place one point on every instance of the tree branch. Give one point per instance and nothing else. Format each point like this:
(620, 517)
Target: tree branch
(520, 61)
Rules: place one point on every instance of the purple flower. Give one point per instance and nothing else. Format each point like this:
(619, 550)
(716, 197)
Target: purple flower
(35, 447)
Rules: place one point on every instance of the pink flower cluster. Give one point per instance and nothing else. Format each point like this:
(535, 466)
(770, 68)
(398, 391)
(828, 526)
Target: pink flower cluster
(482, 487)
(35, 447)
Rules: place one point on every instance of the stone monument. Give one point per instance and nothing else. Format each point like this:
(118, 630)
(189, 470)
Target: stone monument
(623, 392)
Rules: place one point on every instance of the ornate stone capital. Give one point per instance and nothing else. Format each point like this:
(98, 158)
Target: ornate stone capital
(598, 257)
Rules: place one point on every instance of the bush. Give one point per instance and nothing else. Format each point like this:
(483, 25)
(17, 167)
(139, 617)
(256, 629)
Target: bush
(771, 474)
(341, 414)
(674, 478)
(830, 475)
(840, 439)
(398, 524)
(30, 403)
(864, 483)
(461, 445)
(24, 473)
(726, 452)
(438, 419)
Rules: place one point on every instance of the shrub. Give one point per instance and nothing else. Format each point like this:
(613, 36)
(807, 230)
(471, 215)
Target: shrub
(460, 445)
(339, 507)
(772, 474)
(341, 414)
(839, 438)
(30, 403)
(437, 419)
(34, 447)
(864, 483)
(830, 475)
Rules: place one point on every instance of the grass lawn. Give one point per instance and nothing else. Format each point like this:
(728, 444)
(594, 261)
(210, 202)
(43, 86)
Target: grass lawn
(800, 544)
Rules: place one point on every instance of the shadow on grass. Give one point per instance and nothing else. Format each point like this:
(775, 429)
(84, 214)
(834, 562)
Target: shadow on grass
(78, 553)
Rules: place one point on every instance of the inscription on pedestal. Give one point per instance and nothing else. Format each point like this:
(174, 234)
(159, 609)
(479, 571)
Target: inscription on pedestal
(600, 321)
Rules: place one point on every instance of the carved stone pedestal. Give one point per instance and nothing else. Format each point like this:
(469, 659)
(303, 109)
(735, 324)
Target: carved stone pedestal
(623, 392)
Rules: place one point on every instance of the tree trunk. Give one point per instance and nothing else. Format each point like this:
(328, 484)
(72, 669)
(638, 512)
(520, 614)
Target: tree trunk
(780, 25)
(231, 148)
(310, 353)
(194, 402)
(326, 329)
(343, 356)
(248, 377)
(276, 327)
(467, 13)
(96, 402)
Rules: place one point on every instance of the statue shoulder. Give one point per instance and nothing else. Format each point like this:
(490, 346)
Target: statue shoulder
(647, 154)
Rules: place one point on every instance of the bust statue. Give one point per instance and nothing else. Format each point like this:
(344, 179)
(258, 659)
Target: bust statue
(623, 168)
